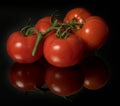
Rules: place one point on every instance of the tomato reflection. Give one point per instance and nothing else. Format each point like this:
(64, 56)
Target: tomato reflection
(96, 73)
(92, 73)
(64, 81)
(26, 76)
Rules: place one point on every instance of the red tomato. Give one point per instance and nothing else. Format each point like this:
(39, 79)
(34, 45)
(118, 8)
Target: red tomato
(64, 81)
(63, 52)
(80, 14)
(43, 24)
(94, 32)
(20, 48)
(26, 76)
(96, 73)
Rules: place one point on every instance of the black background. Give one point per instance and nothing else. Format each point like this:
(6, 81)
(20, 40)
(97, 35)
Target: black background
(16, 14)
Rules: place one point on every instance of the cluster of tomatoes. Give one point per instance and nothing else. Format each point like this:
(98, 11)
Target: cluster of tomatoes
(63, 44)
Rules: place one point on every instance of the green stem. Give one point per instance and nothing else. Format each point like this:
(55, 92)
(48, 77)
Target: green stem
(39, 38)
(71, 24)
(49, 29)
(65, 33)
(58, 32)
(27, 31)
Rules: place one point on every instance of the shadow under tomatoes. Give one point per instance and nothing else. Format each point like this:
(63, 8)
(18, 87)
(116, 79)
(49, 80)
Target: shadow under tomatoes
(26, 77)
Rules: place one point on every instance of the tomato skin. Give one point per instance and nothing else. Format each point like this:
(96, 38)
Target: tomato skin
(20, 48)
(80, 14)
(43, 24)
(63, 52)
(25, 77)
(64, 81)
(94, 32)
(96, 73)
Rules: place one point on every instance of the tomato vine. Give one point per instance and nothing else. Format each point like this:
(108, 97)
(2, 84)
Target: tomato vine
(62, 31)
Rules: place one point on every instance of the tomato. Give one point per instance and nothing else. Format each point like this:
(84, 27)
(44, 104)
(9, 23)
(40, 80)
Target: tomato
(20, 48)
(96, 73)
(63, 52)
(25, 77)
(64, 81)
(43, 24)
(94, 32)
(80, 14)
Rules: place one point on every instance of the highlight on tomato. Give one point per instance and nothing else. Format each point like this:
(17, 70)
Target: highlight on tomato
(64, 81)
(26, 77)
(96, 73)
(80, 14)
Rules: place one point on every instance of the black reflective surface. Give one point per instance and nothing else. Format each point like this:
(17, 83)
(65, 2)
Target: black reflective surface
(14, 16)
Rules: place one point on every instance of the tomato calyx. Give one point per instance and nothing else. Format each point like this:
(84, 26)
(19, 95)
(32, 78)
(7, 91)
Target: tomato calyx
(77, 25)
(27, 31)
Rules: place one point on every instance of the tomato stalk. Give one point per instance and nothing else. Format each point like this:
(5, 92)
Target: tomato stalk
(59, 31)
(39, 38)
(67, 26)
(62, 31)
(49, 29)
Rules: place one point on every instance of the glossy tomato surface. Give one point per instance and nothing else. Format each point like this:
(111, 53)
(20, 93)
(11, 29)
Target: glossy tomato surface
(20, 48)
(43, 24)
(63, 52)
(94, 32)
(80, 14)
